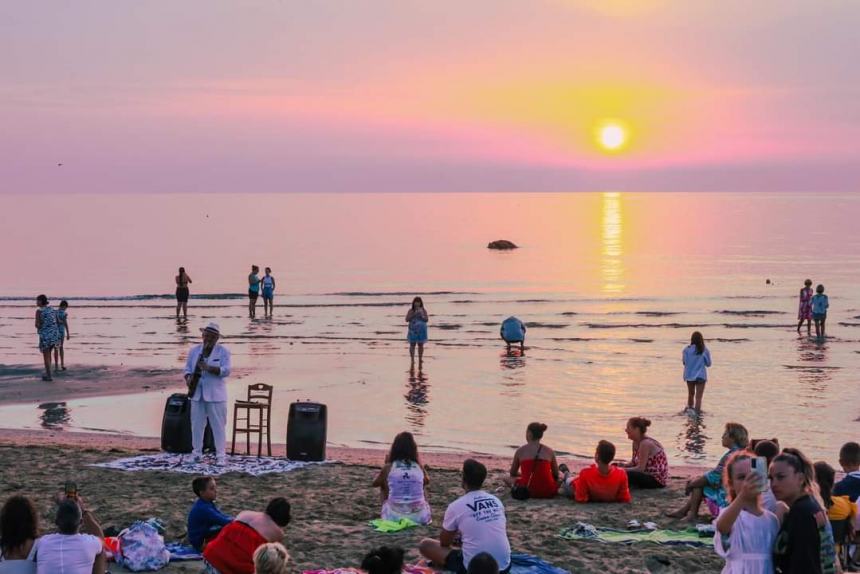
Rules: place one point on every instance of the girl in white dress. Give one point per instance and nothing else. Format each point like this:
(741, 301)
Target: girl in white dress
(745, 530)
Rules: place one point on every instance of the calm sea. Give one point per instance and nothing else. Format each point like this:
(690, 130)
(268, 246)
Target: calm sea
(611, 285)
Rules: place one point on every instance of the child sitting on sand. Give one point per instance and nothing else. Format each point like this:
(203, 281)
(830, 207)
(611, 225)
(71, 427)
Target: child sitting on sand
(849, 460)
(745, 530)
(205, 520)
(709, 486)
(402, 481)
(383, 560)
(232, 551)
(271, 558)
(601, 482)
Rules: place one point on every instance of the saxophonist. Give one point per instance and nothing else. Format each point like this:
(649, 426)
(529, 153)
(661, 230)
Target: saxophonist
(208, 365)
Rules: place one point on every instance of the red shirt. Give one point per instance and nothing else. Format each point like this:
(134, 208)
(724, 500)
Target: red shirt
(591, 486)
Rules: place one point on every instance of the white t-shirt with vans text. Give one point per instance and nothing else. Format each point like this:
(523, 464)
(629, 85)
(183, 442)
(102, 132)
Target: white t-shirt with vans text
(480, 519)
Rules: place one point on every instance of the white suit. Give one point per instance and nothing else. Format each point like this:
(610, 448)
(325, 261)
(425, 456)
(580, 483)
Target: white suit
(210, 399)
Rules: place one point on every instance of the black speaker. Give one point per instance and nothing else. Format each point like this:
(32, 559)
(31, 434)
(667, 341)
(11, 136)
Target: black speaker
(176, 426)
(306, 430)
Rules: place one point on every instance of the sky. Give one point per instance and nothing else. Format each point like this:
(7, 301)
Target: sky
(121, 96)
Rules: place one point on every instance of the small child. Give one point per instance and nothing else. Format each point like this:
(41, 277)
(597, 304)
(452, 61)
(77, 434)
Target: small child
(602, 481)
(745, 531)
(205, 520)
(65, 333)
(849, 460)
(383, 560)
(820, 303)
(483, 563)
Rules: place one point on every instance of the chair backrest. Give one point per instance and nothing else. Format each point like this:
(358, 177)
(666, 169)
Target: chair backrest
(260, 393)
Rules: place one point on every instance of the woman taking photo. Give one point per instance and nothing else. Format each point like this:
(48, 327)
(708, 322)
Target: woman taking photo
(417, 319)
(402, 481)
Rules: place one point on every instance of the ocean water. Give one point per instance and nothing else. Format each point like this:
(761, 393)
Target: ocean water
(611, 285)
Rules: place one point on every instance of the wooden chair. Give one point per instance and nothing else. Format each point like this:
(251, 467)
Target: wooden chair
(259, 400)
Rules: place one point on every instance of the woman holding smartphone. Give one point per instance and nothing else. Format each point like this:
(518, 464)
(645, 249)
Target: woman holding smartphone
(417, 319)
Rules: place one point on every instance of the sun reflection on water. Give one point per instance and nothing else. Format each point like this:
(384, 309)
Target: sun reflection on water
(612, 249)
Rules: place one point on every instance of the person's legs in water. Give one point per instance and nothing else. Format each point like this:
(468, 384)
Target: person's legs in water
(823, 321)
(817, 328)
(691, 393)
(62, 357)
(46, 355)
(700, 391)
(178, 307)
(56, 358)
(420, 354)
(412, 352)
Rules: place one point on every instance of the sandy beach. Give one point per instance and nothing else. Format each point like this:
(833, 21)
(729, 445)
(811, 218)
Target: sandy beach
(332, 503)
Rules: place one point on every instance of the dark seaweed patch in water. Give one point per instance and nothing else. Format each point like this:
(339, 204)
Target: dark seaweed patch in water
(755, 326)
(750, 313)
(572, 313)
(537, 325)
(572, 339)
(845, 324)
(726, 340)
(447, 326)
(489, 323)
(644, 325)
(642, 340)
(656, 313)
(396, 293)
(807, 367)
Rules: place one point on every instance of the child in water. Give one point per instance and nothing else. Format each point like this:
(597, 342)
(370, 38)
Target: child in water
(65, 333)
(820, 303)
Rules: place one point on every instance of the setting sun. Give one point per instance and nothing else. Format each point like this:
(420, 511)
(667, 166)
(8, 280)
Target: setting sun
(612, 136)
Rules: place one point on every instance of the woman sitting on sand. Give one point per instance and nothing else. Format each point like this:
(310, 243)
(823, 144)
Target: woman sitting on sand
(19, 528)
(232, 551)
(534, 465)
(745, 529)
(402, 481)
(709, 486)
(649, 467)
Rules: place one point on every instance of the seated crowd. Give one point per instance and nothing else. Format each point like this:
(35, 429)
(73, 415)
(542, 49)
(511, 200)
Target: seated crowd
(774, 511)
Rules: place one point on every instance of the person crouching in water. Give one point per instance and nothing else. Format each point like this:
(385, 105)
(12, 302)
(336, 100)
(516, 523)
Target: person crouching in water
(513, 331)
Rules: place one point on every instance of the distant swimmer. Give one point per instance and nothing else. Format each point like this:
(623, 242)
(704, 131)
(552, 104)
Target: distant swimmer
(513, 331)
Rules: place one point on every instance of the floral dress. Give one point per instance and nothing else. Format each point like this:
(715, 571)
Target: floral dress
(49, 332)
(804, 311)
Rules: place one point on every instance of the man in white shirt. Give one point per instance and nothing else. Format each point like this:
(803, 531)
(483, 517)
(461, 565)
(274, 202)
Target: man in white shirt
(209, 399)
(479, 517)
(68, 551)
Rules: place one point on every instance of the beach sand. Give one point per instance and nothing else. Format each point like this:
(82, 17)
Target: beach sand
(331, 503)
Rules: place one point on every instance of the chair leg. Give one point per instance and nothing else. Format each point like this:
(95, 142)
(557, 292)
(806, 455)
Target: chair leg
(269, 431)
(235, 414)
(260, 433)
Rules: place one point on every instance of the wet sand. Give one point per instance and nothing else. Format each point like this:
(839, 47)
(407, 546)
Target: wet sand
(332, 503)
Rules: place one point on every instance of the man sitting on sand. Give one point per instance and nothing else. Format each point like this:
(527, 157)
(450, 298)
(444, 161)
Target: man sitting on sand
(232, 551)
(479, 517)
(513, 331)
(601, 482)
(68, 550)
(205, 520)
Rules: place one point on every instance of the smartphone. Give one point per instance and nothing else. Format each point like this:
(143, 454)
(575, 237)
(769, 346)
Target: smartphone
(71, 490)
(759, 467)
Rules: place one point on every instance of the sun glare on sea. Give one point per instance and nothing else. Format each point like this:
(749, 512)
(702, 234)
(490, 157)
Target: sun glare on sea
(612, 136)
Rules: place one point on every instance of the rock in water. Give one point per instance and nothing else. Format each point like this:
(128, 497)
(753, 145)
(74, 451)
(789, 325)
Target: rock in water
(501, 244)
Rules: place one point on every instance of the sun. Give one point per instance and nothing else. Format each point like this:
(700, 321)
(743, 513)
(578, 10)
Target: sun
(612, 136)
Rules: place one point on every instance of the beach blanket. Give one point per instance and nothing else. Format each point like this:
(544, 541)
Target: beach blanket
(520, 564)
(180, 552)
(181, 463)
(387, 526)
(583, 531)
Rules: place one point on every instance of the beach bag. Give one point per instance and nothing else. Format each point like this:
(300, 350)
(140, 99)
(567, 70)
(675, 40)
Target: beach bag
(521, 491)
(141, 548)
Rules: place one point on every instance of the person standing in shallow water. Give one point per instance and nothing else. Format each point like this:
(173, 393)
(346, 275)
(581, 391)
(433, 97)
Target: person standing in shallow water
(268, 283)
(696, 358)
(804, 308)
(49, 332)
(253, 291)
(182, 282)
(417, 319)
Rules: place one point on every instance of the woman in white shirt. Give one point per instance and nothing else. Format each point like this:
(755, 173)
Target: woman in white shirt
(696, 358)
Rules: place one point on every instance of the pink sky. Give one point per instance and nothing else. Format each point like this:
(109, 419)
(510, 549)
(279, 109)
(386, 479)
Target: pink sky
(489, 95)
